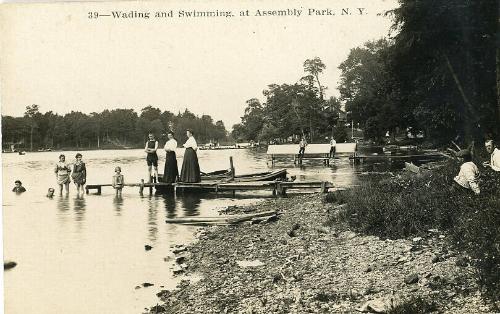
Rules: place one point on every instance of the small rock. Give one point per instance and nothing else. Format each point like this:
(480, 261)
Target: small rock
(368, 269)
(417, 239)
(273, 218)
(415, 248)
(163, 294)
(147, 284)
(180, 259)
(137, 287)
(436, 258)
(462, 261)
(295, 226)
(9, 265)
(411, 279)
(178, 270)
(180, 249)
(292, 233)
(148, 247)
(157, 309)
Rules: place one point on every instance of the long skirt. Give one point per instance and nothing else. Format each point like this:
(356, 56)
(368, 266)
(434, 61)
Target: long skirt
(170, 173)
(190, 168)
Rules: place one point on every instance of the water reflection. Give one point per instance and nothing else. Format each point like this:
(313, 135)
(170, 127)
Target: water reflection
(191, 203)
(152, 218)
(79, 208)
(63, 203)
(169, 201)
(118, 204)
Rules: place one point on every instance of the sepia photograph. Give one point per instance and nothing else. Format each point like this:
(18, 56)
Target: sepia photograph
(263, 156)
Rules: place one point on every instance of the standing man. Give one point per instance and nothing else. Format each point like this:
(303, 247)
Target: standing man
(152, 157)
(302, 148)
(494, 156)
(333, 147)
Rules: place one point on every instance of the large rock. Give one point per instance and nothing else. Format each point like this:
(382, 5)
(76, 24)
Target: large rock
(379, 305)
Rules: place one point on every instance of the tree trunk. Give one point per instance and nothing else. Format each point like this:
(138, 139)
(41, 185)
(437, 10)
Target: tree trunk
(31, 138)
(470, 113)
(320, 88)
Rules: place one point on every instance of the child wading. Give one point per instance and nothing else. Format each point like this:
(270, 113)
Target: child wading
(62, 171)
(79, 173)
(118, 181)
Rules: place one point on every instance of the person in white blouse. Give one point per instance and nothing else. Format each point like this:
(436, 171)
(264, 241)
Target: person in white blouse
(190, 171)
(467, 178)
(171, 171)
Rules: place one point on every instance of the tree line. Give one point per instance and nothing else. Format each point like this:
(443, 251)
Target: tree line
(437, 74)
(108, 129)
(292, 111)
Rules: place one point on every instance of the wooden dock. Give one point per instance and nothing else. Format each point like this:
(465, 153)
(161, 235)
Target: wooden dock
(433, 155)
(312, 152)
(276, 187)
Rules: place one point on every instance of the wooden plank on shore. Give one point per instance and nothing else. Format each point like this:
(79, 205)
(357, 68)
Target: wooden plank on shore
(220, 220)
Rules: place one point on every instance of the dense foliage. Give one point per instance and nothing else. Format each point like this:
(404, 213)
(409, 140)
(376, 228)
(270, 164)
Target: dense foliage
(109, 128)
(436, 75)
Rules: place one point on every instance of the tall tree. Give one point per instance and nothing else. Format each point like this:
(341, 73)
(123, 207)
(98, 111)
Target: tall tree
(314, 67)
(32, 114)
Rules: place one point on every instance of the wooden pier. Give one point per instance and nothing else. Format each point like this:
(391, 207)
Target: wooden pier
(276, 187)
(402, 157)
(312, 152)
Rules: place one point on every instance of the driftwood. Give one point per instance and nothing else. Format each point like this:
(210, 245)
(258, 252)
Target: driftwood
(224, 220)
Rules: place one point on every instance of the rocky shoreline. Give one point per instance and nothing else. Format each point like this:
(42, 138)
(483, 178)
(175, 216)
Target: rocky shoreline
(299, 263)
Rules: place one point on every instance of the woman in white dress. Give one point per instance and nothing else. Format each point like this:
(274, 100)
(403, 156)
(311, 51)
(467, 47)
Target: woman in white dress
(170, 172)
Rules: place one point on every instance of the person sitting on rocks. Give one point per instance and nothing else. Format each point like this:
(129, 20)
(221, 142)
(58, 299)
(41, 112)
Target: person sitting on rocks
(468, 175)
(18, 188)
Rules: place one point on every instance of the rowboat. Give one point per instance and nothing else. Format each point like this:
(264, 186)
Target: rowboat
(226, 175)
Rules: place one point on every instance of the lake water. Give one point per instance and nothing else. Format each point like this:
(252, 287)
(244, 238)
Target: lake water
(86, 254)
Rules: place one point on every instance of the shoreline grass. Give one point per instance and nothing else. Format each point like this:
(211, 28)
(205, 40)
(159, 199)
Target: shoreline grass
(408, 205)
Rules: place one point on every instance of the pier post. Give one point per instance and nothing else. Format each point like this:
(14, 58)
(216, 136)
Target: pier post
(231, 165)
(324, 188)
(141, 187)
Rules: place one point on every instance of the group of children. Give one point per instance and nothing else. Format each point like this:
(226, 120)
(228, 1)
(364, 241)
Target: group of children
(78, 172)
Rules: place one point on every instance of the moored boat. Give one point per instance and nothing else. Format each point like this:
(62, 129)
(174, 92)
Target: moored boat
(226, 175)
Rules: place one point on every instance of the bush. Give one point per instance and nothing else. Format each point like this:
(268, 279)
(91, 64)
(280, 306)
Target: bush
(406, 205)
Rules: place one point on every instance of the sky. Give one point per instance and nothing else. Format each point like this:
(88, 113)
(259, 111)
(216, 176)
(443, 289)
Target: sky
(54, 56)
